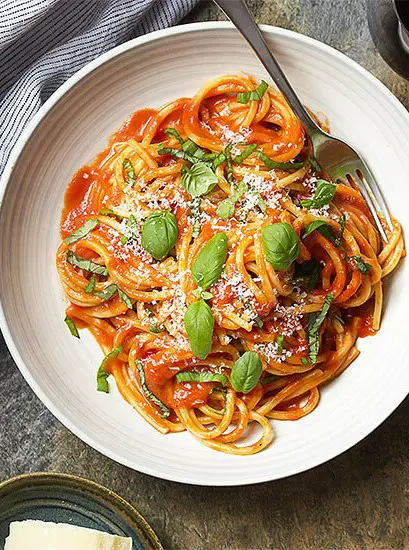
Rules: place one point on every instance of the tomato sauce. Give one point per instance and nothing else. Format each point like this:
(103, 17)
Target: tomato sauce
(135, 126)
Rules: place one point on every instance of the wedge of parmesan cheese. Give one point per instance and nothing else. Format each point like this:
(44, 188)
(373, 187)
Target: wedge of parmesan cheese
(41, 535)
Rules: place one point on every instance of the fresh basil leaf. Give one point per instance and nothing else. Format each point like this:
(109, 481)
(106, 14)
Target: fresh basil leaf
(307, 274)
(362, 266)
(132, 230)
(315, 321)
(156, 329)
(188, 376)
(246, 372)
(152, 397)
(199, 325)
(200, 293)
(72, 326)
(245, 153)
(159, 233)
(208, 264)
(281, 245)
(129, 172)
(174, 133)
(323, 227)
(255, 95)
(305, 361)
(199, 179)
(324, 194)
(317, 224)
(107, 293)
(226, 208)
(125, 298)
(86, 265)
(82, 231)
(89, 289)
(102, 374)
(273, 165)
(196, 216)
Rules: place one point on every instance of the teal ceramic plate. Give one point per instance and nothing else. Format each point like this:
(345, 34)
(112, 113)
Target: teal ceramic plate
(68, 499)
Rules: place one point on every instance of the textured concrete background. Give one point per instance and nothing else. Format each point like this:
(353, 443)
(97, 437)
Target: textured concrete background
(358, 500)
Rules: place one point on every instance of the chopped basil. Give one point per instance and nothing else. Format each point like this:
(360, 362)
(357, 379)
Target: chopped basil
(199, 179)
(155, 400)
(82, 231)
(159, 233)
(195, 211)
(219, 159)
(199, 325)
(257, 319)
(89, 289)
(129, 172)
(86, 265)
(227, 155)
(125, 298)
(102, 374)
(245, 153)
(226, 208)
(255, 95)
(307, 274)
(338, 239)
(208, 264)
(175, 134)
(281, 245)
(280, 343)
(273, 165)
(314, 164)
(110, 212)
(315, 321)
(107, 293)
(72, 326)
(200, 293)
(246, 372)
(324, 194)
(132, 230)
(156, 329)
(268, 379)
(177, 153)
(188, 376)
(362, 266)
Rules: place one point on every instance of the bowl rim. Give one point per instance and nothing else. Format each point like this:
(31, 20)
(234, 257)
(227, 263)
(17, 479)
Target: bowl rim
(193, 479)
(133, 517)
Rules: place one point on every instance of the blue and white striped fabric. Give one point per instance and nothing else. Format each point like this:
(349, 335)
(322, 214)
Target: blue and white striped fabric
(44, 42)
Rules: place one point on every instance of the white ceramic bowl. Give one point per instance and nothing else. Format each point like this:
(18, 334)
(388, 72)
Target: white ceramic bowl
(71, 128)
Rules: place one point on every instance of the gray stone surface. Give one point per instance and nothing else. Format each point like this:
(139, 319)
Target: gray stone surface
(358, 500)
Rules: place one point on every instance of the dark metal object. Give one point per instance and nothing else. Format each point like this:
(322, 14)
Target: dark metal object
(388, 22)
(338, 159)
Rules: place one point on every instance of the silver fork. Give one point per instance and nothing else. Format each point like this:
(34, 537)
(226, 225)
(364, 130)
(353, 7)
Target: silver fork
(335, 157)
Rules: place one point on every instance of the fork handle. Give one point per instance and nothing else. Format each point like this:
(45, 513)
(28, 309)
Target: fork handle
(239, 14)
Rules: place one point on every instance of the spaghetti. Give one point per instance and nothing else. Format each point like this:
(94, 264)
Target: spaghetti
(224, 277)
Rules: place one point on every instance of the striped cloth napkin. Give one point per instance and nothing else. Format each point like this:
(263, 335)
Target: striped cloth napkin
(44, 42)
